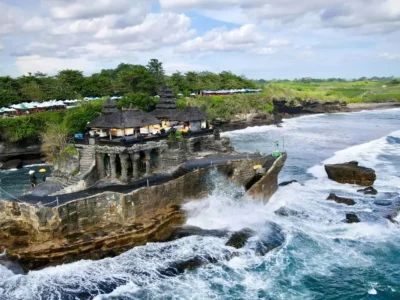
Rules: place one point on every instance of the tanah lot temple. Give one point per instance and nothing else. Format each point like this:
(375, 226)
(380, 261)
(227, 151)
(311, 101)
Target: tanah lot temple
(125, 186)
(129, 144)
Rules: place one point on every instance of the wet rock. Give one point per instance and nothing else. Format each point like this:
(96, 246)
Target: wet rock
(341, 200)
(239, 239)
(368, 191)
(391, 218)
(352, 218)
(286, 212)
(185, 231)
(351, 173)
(287, 183)
(383, 202)
(273, 239)
(190, 264)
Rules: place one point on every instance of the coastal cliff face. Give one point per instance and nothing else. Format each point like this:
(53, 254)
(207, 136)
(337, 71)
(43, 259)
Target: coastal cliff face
(110, 223)
(296, 106)
(12, 153)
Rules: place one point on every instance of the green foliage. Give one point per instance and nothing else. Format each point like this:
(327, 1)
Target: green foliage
(182, 103)
(77, 118)
(141, 101)
(157, 71)
(71, 151)
(179, 136)
(136, 79)
(28, 127)
(228, 106)
(75, 172)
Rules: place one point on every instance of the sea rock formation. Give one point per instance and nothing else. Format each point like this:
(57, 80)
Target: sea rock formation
(310, 106)
(368, 191)
(286, 212)
(239, 239)
(341, 200)
(351, 173)
(285, 183)
(187, 230)
(23, 153)
(352, 218)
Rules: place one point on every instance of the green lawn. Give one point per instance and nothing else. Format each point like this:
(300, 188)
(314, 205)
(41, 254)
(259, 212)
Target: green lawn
(358, 91)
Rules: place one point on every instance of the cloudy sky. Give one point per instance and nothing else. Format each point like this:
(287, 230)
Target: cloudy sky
(257, 38)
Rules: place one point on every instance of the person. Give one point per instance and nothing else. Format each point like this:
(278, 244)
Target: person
(32, 178)
(44, 177)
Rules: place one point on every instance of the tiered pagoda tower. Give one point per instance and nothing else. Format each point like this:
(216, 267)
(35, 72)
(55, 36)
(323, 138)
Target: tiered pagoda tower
(166, 109)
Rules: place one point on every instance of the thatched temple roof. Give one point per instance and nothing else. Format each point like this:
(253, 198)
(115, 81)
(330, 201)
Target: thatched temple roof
(130, 118)
(190, 114)
(109, 107)
(166, 107)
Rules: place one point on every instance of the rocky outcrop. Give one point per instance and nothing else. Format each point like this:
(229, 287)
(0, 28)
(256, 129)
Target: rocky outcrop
(351, 173)
(298, 106)
(341, 200)
(239, 239)
(285, 183)
(368, 191)
(352, 218)
(24, 153)
(187, 230)
(241, 121)
(109, 223)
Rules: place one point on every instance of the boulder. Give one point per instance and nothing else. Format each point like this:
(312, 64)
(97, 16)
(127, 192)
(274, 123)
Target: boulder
(352, 218)
(273, 239)
(285, 183)
(383, 202)
(286, 212)
(186, 230)
(341, 200)
(351, 173)
(391, 219)
(239, 239)
(368, 191)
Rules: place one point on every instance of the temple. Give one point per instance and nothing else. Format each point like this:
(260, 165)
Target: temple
(129, 144)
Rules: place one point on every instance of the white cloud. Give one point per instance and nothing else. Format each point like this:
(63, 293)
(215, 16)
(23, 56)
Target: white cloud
(172, 66)
(159, 29)
(279, 42)
(265, 51)
(370, 16)
(222, 39)
(83, 9)
(50, 65)
(390, 56)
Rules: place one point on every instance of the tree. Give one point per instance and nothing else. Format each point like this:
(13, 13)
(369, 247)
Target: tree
(32, 91)
(178, 82)
(71, 79)
(395, 81)
(96, 85)
(141, 101)
(157, 71)
(136, 79)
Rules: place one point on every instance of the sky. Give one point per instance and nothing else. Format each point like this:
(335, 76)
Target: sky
(256, 38)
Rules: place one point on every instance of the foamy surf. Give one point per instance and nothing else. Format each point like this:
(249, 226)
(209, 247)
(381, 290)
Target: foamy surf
(322, 257)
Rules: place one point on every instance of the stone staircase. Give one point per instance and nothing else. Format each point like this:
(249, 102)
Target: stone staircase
(86, 161)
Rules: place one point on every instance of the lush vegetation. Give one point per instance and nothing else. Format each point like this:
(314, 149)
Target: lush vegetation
(138, 84)
(123, 80)
(32, 126)
(349, 91)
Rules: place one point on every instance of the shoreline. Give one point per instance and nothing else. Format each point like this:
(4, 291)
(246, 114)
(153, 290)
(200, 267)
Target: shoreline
(356, 107)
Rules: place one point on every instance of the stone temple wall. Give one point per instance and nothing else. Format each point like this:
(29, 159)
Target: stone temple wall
(110, 223)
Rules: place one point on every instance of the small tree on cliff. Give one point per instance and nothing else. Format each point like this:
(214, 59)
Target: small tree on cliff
(55, 143)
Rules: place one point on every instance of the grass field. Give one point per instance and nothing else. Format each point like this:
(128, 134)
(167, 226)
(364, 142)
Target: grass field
(351, 92)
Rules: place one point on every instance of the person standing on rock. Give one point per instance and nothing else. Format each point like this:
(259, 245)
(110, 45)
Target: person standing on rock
(32, 178)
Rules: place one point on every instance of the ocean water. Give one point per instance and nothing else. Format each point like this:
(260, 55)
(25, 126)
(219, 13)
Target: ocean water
(322, 257)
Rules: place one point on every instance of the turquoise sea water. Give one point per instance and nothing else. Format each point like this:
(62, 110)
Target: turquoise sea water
(322, 257)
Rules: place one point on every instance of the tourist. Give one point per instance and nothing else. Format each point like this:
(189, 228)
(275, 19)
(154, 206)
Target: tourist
(32, 178)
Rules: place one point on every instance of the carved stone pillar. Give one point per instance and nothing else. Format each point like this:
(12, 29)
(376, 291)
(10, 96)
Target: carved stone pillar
(134, 159)
(113, 163)
(100, 164)
(148, 166)
(124, 167)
